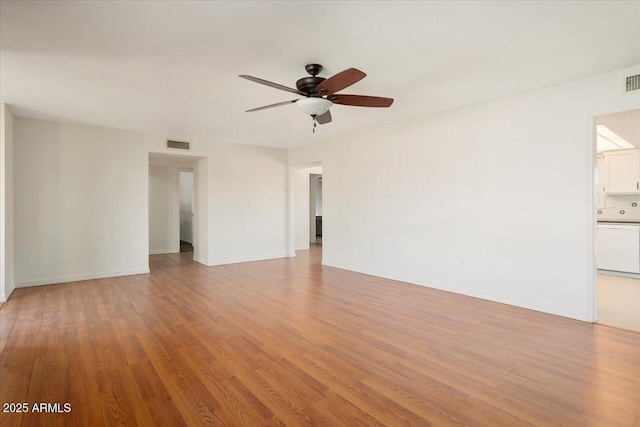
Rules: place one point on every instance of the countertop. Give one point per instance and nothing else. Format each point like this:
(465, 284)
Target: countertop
(618, 222)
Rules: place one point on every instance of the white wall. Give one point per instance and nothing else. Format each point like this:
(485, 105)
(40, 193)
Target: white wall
(301, 201)
(82, 190)
(494, 200)
(164, 210)
(201, 211)
(85, 187)
(186, 206)
(247, 203)
(6, 203)
(318, 197)
(301, 189)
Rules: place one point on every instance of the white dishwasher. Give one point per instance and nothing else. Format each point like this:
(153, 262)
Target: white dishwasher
(619, 247)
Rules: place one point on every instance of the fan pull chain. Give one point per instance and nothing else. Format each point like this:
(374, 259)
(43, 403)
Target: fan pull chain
(314, 123)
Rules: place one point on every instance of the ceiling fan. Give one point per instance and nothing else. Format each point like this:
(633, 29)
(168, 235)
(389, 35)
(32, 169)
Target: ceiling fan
(320, 93)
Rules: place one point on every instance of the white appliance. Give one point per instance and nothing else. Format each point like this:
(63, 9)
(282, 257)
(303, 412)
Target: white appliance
(619, 247)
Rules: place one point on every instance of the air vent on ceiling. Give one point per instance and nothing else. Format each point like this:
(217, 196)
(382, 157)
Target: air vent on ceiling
(178, 144)
(632, 83)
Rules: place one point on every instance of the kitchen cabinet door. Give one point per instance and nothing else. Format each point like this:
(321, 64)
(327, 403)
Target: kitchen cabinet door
(619, 248)
(622, 171)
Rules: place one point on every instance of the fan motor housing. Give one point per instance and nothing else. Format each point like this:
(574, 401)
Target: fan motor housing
(308, 84)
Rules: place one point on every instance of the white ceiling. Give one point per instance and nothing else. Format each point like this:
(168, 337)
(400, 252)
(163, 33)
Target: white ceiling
(626, 125)
(172, 67)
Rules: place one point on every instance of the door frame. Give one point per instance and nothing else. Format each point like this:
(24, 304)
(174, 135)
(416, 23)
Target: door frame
(198, 165)
(291, 215)
(592, 222)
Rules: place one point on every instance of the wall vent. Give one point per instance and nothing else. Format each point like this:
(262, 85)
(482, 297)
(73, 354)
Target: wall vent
(181, 145)
(632, 83)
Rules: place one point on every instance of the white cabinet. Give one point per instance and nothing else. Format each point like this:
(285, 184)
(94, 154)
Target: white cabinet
(619, 247)
(621, 172)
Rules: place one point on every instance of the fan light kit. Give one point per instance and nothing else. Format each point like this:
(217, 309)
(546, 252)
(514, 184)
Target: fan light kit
(320, 93)
(314, 106)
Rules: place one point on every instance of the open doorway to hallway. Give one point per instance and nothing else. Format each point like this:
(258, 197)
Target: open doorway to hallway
(186, 210)
(315, 208)
(618, 219)
(173, 202)
(307, 218)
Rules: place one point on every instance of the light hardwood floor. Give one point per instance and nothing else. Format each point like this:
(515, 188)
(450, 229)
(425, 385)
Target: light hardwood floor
(288, 341)
(619, 302)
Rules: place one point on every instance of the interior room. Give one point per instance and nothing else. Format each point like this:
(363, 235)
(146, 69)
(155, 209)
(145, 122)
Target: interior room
(618, 240)
(307, 213)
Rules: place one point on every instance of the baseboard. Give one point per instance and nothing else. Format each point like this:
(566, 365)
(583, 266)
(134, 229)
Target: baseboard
(198, 260)
(163, 251)
(619, 274)
(502, 299)
(66, 279)
(249, 259)
(4, 297)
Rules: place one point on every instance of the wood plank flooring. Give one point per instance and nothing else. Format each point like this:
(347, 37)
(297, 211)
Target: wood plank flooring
(619, 302)
(289, 342)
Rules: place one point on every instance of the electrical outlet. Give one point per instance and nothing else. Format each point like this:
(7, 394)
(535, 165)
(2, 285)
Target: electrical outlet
(95, 250)
(463, 261)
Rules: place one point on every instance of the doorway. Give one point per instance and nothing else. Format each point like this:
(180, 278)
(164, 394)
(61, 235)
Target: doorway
(177, 205)
(185, 178)
(306, 220)
(617, 183)
(315, 208)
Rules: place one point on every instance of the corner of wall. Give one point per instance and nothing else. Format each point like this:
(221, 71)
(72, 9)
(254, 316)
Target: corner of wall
(2, 201)
(6, 203)
(201, 261)
(8, 290)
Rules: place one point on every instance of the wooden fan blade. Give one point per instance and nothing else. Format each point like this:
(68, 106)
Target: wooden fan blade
(340, 81)
(272, 105)
(271, 84)
(324, 118)
(362, 101)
